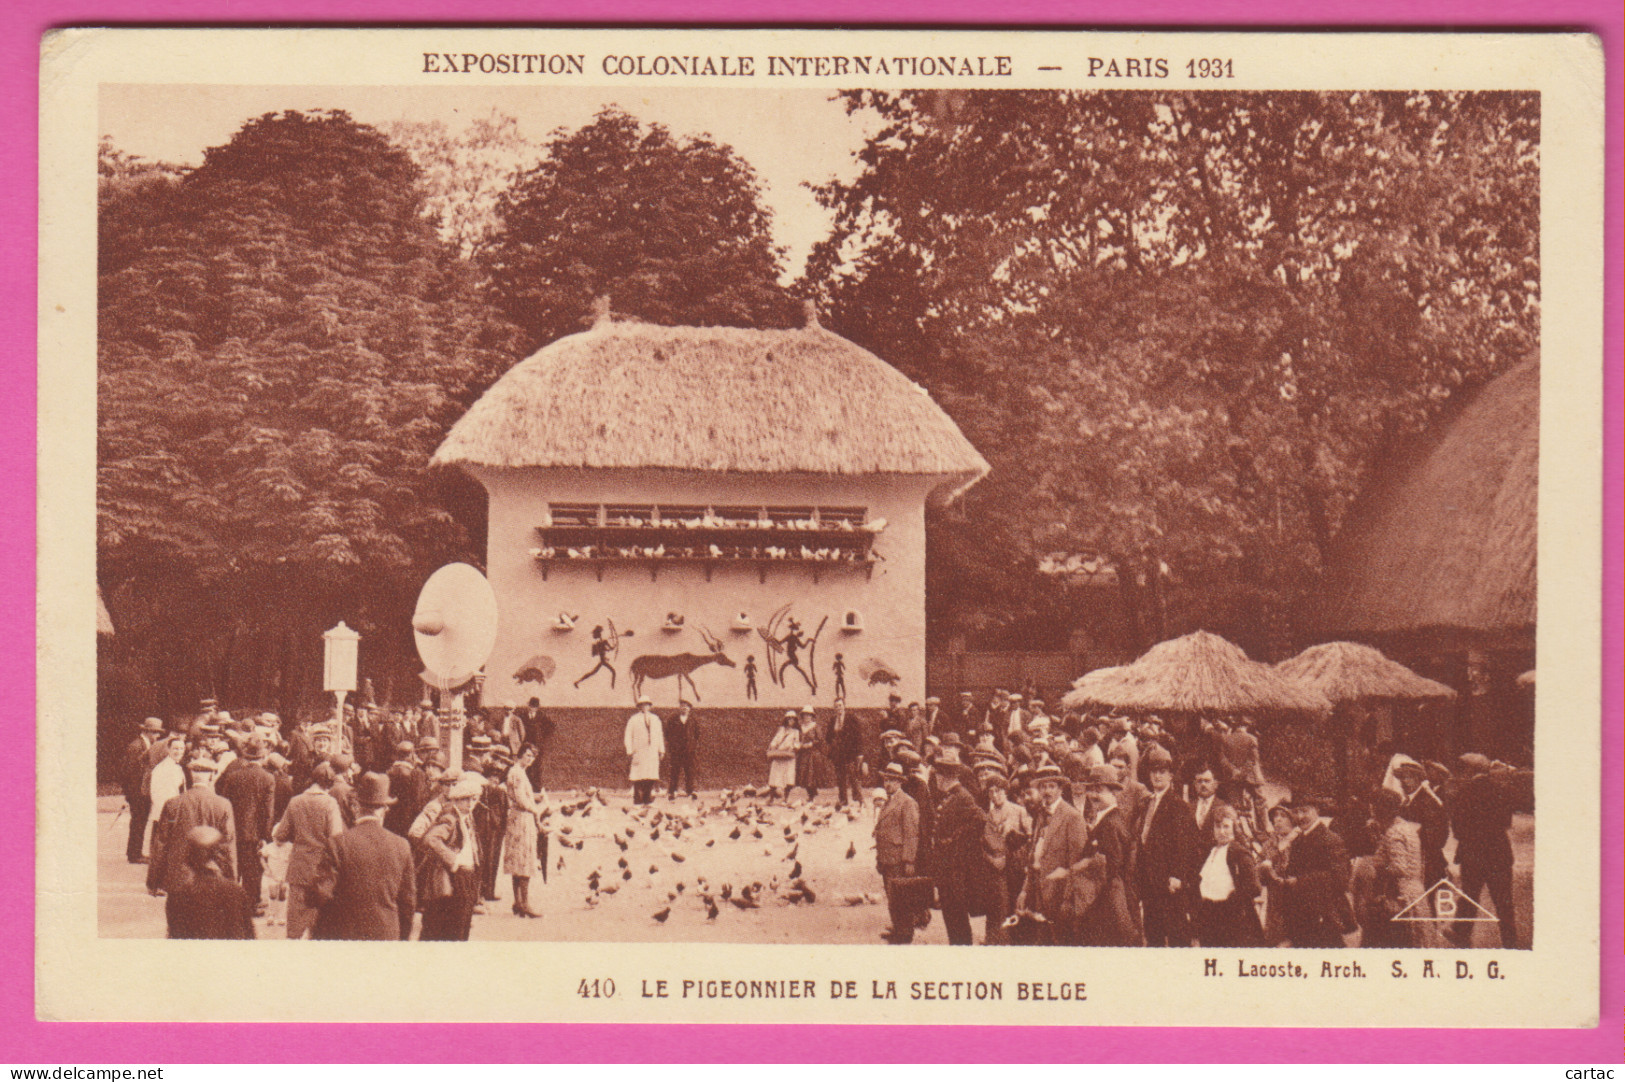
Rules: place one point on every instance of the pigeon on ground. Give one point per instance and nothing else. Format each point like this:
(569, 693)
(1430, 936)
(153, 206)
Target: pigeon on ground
(851, 850)
(663, 914)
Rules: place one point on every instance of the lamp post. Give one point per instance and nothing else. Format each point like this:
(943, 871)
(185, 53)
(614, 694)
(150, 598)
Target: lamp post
(340, 645)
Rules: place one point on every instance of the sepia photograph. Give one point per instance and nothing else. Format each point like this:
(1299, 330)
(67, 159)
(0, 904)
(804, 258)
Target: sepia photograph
(907, 509)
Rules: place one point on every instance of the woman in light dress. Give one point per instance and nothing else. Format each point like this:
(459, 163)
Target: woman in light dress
(525, 807)
(1396, 878)
(1277, 842)
(781, 756)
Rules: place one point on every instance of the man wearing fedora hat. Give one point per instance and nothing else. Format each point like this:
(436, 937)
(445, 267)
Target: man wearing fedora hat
(897, 847)
(1059, 837)
(366, 881)
(1482, 817)
(208, 905)
(1108, 920)
(449, 887)
(406, 784)
(645, 741)
(1169, 856)
(956, 842)
(1316, 879)
(135, 777)
(682, 737)
(251, 791)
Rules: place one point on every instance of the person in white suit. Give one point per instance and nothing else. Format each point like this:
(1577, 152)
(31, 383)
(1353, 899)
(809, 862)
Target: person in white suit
(646, 744)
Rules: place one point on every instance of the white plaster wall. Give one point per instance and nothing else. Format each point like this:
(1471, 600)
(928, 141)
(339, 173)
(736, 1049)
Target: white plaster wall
(891, 599)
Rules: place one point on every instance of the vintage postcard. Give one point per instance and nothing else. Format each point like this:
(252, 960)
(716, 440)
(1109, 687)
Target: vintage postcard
(1031, 528)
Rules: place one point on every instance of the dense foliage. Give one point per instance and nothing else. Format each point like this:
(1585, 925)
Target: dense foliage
(1182, 327)
(283, 340)
(673, 230)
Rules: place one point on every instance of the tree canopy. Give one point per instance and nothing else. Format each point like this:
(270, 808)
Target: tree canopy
(673, 229)
(1181, 326)
(283, 339)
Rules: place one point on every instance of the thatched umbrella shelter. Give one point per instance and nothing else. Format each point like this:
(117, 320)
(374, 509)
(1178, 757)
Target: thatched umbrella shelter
(1347, 672)
(1199, 673)
(1353, 677)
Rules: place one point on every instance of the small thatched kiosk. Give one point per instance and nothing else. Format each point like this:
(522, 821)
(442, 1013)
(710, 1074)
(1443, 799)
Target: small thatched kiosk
(1196, 674)
(1366, 689)
(737, 515)
(1436, 565)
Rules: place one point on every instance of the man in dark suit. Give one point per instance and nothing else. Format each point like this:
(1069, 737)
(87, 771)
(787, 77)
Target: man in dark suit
(845, 749)
(135, 776)
(1169, 856)
(1059, 840)
(682, 741)
(1107, 921)
(956, 841)
(1482, 816)
(897, 847)
(406, 783)
(1204, 799)
(199, 806)
(208, 906)
(1316, 879)
(366, 880)
(251, 791)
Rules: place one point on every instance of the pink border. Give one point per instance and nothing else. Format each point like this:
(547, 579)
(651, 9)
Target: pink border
(24, 1040)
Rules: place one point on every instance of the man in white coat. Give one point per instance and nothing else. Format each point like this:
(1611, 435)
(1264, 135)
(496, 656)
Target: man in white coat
(646, 744)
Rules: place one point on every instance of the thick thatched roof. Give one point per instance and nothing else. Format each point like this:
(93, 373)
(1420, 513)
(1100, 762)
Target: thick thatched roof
(1447, 540)
(1196, 673)
(1353, 672)
(628, 395)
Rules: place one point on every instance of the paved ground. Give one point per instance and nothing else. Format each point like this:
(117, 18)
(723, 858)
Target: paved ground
(847, 909)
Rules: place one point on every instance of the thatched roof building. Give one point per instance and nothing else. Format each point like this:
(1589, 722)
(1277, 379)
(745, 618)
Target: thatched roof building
(733, 515)
(1447, 539)
(631, 395)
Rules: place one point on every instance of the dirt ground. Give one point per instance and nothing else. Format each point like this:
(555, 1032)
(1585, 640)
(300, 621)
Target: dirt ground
(835, 850)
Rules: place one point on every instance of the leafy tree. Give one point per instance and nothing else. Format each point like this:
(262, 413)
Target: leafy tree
(464, 174)
(673, 229)
(1181, 326)
(283, 340)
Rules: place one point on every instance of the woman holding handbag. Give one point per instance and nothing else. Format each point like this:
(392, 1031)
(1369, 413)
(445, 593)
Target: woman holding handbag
(519, 854)
(781, 757)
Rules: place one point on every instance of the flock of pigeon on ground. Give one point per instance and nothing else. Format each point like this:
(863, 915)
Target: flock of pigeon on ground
(683, 854)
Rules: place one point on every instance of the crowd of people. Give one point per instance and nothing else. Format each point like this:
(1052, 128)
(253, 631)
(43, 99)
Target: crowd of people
(1105, 831)
(1073, 829)
(375, 827)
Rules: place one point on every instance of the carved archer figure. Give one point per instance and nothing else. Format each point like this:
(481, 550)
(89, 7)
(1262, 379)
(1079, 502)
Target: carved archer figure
(790, 645)
(603, 648)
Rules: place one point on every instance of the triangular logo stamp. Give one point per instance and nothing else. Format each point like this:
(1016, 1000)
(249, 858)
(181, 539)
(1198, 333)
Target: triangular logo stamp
(1447, 903)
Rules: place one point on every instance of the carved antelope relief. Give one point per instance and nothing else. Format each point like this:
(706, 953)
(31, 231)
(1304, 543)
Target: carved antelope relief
(682, 666)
